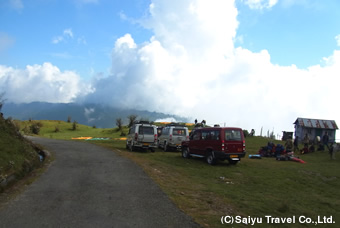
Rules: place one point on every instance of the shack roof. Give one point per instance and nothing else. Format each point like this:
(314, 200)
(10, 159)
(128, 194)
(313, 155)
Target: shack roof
(316, 123)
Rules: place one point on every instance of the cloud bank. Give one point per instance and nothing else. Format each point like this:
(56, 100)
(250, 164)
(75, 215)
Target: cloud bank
(191, 67)
(41, 83)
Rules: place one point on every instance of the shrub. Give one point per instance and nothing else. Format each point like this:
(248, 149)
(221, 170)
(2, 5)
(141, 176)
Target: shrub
(74, 125)
(245, 133)
(57, 129)
(35, 128)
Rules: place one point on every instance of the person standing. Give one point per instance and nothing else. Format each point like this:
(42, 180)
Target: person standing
(325, 140)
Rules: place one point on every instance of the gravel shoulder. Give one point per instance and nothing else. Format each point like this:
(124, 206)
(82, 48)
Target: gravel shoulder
(90, 186)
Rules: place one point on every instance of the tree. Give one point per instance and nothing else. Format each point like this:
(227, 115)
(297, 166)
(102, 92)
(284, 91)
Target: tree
(74, 125)
(2, 101)
(119, 124)
(132, 119)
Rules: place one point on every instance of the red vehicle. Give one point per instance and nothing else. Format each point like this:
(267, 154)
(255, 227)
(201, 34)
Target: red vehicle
(215, 143)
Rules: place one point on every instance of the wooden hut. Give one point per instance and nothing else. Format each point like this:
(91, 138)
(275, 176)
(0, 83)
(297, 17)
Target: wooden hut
(315, 127)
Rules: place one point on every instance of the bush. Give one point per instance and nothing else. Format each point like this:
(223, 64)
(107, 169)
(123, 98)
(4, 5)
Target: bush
(35, 128)
(245, 133)
(74, 125)
(57, 129)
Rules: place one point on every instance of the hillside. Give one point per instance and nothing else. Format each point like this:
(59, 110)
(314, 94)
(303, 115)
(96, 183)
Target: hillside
(18, 156)
(88, 114)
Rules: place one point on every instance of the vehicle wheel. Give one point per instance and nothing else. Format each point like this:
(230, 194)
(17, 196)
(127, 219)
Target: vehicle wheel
(210, 159)
(233, 162)
(165, 148)
(185, 153)
(152, 150)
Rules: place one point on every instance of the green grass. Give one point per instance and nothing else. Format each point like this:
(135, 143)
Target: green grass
(17, 155)
(48, 130)
(254, 187)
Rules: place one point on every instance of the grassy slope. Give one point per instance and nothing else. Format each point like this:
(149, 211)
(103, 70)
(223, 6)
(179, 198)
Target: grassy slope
(251, 188)
(17, 155)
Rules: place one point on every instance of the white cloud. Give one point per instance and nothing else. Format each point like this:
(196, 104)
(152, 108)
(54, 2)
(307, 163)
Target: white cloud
(41, 83)
(260, 4)
(169, 119)
(67, 34)
(337, 38)
(190, 67)
(87, 113)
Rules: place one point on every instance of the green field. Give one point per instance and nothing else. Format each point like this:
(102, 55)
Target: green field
(254, 187)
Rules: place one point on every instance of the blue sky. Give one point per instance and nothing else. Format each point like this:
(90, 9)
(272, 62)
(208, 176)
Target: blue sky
(299, 32)
(150, 54)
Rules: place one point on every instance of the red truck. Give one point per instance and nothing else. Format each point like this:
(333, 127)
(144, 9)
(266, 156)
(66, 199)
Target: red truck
(215, 143)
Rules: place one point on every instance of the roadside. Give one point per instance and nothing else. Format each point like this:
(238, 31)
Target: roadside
(90, 186)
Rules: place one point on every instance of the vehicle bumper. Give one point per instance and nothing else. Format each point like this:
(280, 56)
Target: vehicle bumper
(230, 156)
(145, 145)
(176, 146)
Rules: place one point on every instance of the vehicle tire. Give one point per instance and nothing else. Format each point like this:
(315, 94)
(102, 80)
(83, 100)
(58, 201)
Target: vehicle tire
(165, 147)
(185, 152)
(152, 150)
(210, 158)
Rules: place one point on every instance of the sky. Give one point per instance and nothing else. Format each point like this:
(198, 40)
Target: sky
(255, 64)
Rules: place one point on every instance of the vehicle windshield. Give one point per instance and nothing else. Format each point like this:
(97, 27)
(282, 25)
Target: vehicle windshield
(179, 132)
(233, 135)
(146, 130)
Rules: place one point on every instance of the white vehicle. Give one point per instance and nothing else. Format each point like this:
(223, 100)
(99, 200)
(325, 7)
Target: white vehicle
(142, 135)
(172, 137)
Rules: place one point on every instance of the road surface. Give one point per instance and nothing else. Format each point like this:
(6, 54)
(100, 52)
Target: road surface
(90, 186)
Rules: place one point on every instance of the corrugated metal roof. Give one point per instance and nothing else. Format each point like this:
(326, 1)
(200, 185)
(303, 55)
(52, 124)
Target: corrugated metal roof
(315, 123)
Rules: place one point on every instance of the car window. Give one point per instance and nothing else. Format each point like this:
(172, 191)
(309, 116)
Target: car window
(197, 135)
(215, 135)
(146, 130)
(205, 135)
(233, 135)
(177, 131)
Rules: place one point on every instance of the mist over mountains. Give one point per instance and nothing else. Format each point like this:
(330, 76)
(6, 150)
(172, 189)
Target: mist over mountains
(88, 114)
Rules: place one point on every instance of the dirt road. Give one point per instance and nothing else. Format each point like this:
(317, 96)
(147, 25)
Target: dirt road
(90, 186)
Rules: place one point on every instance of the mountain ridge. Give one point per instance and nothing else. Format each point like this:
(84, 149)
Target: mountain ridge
(88, 114)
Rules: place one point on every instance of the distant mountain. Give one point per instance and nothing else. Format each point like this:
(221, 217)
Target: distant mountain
(88, 114)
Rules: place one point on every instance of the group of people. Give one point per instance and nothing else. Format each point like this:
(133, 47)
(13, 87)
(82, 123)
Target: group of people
(311, 146)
